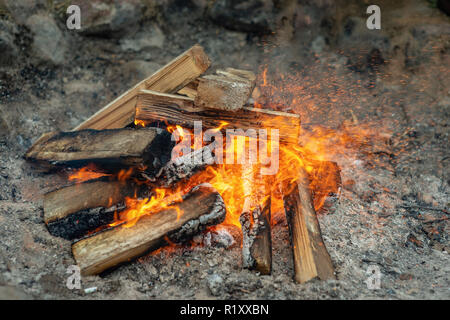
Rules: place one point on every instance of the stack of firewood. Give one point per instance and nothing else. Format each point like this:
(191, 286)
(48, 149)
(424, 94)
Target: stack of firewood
(124, 141)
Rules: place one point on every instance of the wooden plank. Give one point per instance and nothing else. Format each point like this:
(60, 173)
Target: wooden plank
(175, 109)
(311, 258)
(201, 207)
(170, 78)
(112, 149)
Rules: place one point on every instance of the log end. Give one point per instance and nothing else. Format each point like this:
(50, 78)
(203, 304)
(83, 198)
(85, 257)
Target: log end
(201, 59)
(222, 92)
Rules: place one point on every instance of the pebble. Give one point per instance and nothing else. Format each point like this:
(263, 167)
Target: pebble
(215, 283)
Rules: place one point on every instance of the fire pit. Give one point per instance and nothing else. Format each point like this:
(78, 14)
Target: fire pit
(177, 154)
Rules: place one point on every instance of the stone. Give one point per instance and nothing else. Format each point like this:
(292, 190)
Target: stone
(83, 87)
(147, 38)
(4, 129)
(363, 47)
(109, 18)
(131, 73)
(255, 16)
(49, 45)
(425, 32)
(215, 284)
(223, 237)
(7, 47)
(318, 44)
(425, 197)
(21, 10)
(405, 276)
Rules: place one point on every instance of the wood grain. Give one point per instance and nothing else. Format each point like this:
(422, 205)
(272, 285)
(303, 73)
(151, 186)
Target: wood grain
(170, 78)
(175, 109)
(311, 258)
(112, 149)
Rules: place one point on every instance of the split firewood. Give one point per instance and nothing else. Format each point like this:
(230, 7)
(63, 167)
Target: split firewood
(72, 211)
(169, 79)
(175, 109)
(227, 90)
(186, 166)
(255, 221)
(201, 207)
(246, 74)
(311, 258)
(190, 90)
(113, 149)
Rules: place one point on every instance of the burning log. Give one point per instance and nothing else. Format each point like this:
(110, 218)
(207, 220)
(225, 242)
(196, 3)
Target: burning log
(325, 184)
(185, 166)
(311, 258)
(170, 78)
(73, 211)
(175, 109)
(255, 221)
(228, 90)
(201, 207)
(148, 148)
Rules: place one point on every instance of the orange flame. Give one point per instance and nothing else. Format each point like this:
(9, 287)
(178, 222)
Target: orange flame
(316, 146)
(136, 208)
(86, 173)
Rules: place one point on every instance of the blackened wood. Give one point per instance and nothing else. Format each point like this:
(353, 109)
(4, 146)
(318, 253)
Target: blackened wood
(184, 167)
(72, 211)
(112, 150)
(201, 207)
(78, 224)
(256, 222)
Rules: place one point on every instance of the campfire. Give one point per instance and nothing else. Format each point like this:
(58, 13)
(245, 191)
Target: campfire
(179, 153)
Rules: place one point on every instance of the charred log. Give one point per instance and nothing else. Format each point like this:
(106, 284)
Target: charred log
(111, 150)
(202, 207)
(255, 221)
(72, 211)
